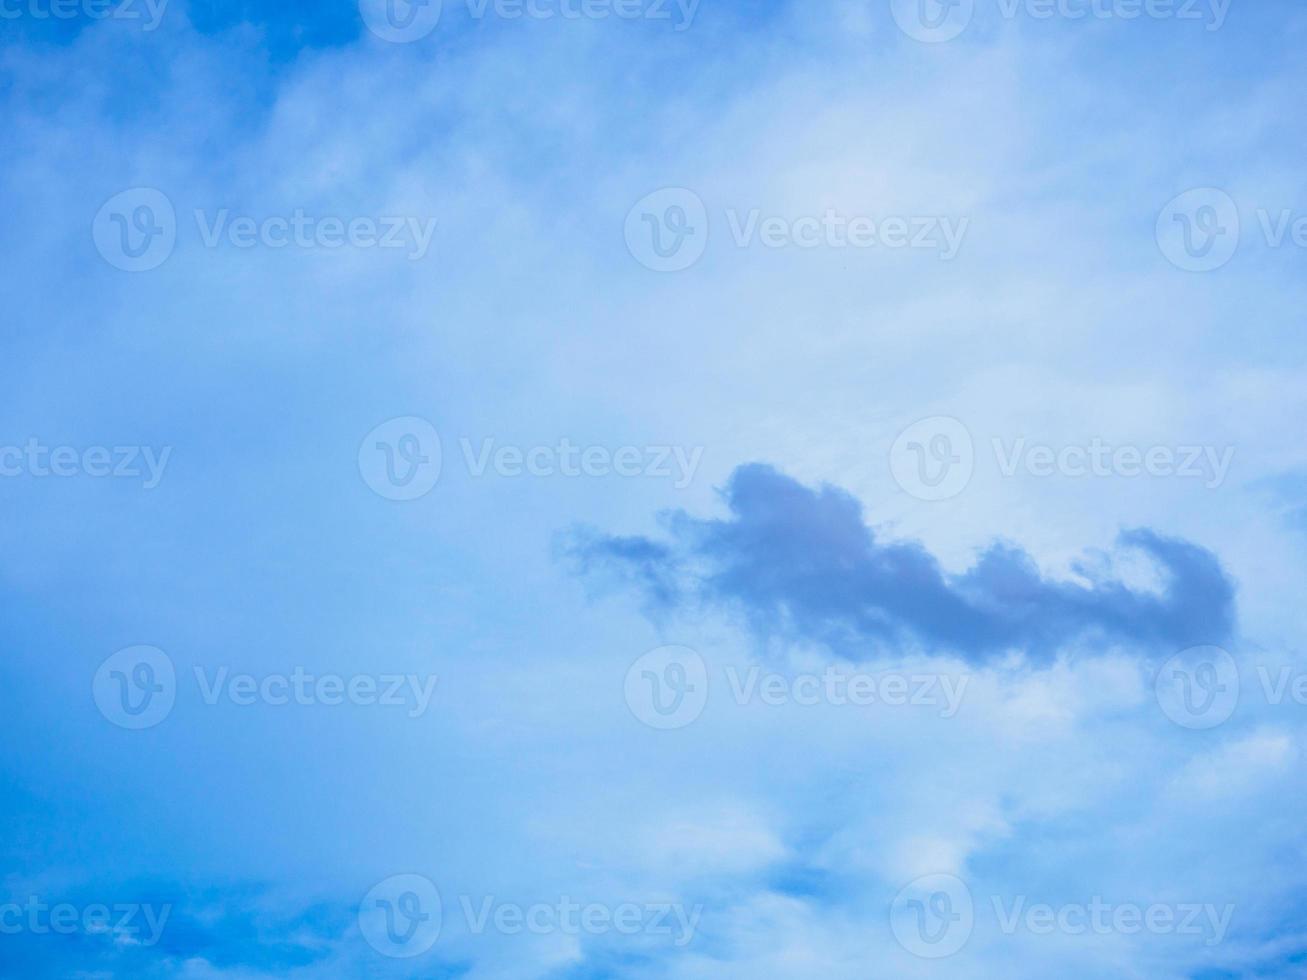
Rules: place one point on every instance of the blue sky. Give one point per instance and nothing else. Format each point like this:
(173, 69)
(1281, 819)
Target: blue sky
(601, 489)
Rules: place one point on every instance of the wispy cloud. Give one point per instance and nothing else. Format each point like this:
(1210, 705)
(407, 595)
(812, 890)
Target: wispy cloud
(800, 560)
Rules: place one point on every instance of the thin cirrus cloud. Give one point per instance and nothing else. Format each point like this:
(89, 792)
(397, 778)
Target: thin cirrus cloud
(803, 562)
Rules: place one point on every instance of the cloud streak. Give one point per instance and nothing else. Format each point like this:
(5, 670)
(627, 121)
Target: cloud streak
(803, 562)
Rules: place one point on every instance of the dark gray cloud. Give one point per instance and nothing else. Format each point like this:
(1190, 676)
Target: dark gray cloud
(804, 562)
